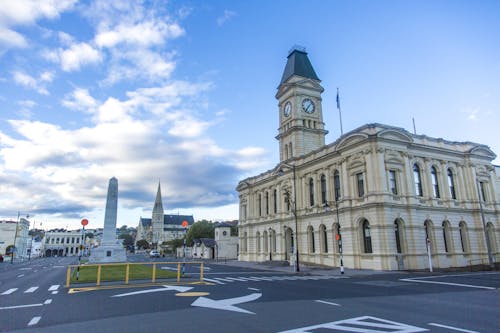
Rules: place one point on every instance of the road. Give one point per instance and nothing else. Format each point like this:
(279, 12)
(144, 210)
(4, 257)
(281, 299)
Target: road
(249, 300)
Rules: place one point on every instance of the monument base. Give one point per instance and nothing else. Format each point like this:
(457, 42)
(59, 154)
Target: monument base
(108, 253)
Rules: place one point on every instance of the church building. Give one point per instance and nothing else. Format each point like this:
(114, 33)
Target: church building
(378, 197)
(161, 228)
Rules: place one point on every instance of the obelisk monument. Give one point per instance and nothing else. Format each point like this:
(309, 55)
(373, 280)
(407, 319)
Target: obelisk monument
(110, 249)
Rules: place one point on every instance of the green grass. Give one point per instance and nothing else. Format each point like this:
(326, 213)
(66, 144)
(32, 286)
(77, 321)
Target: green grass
(117, 273)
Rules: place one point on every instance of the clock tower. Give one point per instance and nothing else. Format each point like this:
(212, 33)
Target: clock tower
(301, 127)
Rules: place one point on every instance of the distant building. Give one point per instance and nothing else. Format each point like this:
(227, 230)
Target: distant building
(226, 245)
(378, 197)
(61, 242)
(162, 228)
(8, 234)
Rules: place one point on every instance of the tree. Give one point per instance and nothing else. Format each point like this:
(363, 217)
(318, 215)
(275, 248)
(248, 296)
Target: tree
(200, 229)
(127, 239)
(143, 244)
(173, 244)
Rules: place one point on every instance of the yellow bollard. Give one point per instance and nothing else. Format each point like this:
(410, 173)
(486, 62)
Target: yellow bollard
(154, 274)
(178, 272)
(98, 283)
(201, 272)
(68, 276)
(127, 271)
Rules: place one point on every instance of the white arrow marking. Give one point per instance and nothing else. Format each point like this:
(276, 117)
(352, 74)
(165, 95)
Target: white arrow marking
(165, 288)
(226, 304)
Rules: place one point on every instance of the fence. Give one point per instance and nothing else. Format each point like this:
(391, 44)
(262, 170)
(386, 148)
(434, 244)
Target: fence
(137, 273)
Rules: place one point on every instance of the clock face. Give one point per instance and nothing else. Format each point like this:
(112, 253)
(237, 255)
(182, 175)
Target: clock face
(287, 109)
(308, 105)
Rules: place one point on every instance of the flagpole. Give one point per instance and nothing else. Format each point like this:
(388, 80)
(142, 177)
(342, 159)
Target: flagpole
(340, 112)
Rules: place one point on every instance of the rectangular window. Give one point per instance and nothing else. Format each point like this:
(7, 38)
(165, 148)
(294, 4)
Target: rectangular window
(361, 184)
(336, 181)
(260, 205)
(275, 201)
(392, 182)
(482, 188)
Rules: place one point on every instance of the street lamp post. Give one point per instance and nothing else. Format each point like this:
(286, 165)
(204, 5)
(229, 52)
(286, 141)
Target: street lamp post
(294, 202)
(338, 237)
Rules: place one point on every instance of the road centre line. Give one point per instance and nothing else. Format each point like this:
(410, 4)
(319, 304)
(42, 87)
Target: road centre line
(453, 328)
(255, 289)
(34, 320)
(21, 306)
(325, 302)
(448, 283)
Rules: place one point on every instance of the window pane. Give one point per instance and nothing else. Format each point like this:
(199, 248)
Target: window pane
(361, 185)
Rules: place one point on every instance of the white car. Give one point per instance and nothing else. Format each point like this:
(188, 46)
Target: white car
(154, 254)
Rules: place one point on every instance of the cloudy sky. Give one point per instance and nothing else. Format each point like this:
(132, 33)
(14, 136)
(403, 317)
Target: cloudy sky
(183, 92)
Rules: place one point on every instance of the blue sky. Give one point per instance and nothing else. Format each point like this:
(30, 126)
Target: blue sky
(183, 91)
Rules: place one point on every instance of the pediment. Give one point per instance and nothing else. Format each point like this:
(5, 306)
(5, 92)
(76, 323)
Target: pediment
(352, 139)
(395, 135)
(483, 151)
(393, 157)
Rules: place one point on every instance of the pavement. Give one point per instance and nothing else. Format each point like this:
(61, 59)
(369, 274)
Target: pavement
(284, 267)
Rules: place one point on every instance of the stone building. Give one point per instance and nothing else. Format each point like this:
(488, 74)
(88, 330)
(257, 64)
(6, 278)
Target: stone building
(378, 197)
(8, 235)
(162, 227)
(61, 242)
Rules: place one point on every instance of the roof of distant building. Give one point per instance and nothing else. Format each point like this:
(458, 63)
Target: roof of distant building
(178, 219)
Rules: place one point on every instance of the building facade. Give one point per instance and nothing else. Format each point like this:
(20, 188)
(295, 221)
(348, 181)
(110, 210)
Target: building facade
(161, 228)
(61, 242)
(379, 197)
(9, 235)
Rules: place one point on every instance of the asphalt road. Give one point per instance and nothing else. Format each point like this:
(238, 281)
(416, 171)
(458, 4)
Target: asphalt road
(249, 300)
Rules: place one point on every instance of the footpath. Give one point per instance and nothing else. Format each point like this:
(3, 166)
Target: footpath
(284, 267)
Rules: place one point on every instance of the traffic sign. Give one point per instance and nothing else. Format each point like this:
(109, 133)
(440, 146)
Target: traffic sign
(85, 222)
(185, 224)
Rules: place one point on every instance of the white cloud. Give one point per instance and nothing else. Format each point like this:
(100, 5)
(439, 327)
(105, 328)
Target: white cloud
(81, 100)
(27, 103)
(26, 12)
(144, 34)
(228, 14)
(28, 81)
(72, 58)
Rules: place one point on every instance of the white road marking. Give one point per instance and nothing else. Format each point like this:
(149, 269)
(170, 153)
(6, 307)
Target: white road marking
(419, 280)
(21, 306)
(10, 291)
(20, 275)
(226, 304)
(254, 289)
(34, 321)
(47, 301)
(54, 287)
(235, 279)
(55, 292)
(365, 324)
(325, 302)
(222, 279)
(30, 290)
(453, 328)
(165, 288)
(25, 268)
(212, 280)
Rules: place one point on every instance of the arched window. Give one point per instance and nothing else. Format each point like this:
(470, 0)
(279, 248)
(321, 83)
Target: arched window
(275, 201)
(310, 238)
(361, 184)
(323, 189)
(490, 231)
(429, 234)
(435, 183)
(267, 203)
(418, 180)
(336, 184)
(398, 231)
(451, 184)
(260, 204)
(257, 242)
(265, 239)
(273, 240)
(323, 239)
(448, 246)
(311, 192)
(464, 237)
(367, 237)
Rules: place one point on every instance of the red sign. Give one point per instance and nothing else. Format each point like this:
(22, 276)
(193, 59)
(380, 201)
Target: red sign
(337, 237)
(185, 224)
(85, 222)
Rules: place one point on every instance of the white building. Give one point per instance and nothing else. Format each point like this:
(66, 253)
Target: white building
(226, 245)
(62, 242)
(382, 191)
(8, 235)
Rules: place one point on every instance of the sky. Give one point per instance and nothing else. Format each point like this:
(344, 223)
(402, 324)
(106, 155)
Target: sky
(182, 92)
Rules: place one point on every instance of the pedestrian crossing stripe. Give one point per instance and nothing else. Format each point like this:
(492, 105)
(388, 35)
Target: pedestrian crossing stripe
(223, 280)
(53, 288)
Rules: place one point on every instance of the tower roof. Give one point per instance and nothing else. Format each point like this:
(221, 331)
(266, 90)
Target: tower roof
(158, 204)
(298, 64)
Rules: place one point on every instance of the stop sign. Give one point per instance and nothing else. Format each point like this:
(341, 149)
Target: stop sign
(185, 224)
(85, 222)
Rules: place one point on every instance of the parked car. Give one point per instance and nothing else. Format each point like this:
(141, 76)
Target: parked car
(154, 254)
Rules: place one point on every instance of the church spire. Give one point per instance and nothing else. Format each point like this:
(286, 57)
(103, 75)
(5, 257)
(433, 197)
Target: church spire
(158, 207)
